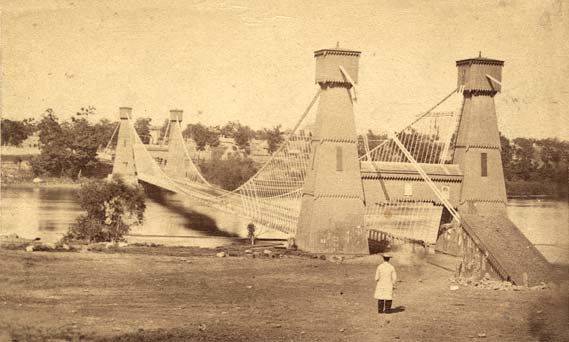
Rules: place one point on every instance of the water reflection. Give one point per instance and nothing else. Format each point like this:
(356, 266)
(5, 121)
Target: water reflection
(184, 215)
(47, 212)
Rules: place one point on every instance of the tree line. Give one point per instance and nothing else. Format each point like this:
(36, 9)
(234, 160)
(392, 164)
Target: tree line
(535, 166)
(69, 148)
(205, 136)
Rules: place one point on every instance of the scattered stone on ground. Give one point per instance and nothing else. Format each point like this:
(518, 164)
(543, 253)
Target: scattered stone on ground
(221, 255)
(498, 285)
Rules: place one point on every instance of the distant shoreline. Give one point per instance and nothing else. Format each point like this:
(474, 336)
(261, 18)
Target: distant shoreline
(49, 182)
(70, 183)
(531, 196)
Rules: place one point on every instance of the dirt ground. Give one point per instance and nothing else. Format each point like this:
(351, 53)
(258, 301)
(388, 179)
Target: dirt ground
(169, 294)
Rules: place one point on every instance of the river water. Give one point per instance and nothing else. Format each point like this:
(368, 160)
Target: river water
(47, 211)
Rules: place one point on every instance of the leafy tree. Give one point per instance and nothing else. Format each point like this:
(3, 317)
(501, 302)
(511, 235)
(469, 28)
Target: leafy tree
(13, 132)
(142, 127)
(69, 147)
(202, 135)
(83, 141)
(274, 138)
(54, 152)
(229, 129)
(111, 208)
(506, 154)
(50, 130)
(523, 167)
(230, 173)
(104, 131)
(243, 136)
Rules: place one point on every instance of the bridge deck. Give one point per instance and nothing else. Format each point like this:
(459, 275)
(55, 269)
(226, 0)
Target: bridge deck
(507, 244)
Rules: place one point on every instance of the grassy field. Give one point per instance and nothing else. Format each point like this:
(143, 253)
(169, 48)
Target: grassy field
(177, 294)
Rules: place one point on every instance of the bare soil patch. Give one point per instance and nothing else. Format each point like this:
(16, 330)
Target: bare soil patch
(177, 294)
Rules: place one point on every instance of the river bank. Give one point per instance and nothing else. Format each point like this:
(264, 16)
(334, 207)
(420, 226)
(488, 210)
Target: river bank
(181, 294)
(16, 174)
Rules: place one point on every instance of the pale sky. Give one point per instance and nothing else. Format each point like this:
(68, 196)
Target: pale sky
(253, 61)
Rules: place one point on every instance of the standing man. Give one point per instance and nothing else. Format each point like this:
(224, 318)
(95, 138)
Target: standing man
(385, 278)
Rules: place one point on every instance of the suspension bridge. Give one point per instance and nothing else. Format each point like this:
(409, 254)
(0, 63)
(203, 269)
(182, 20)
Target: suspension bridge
(437, 182)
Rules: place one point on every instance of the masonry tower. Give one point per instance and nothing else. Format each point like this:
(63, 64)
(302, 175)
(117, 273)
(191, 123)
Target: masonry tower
(123, 166)
(176, 155)
(332, 209)
(477, 143)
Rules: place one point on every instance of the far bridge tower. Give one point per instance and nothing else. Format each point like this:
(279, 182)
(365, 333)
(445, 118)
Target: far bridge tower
(123, 165)
(175, 160)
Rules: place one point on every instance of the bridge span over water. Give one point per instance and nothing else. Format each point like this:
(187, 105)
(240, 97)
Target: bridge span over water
(439, 181)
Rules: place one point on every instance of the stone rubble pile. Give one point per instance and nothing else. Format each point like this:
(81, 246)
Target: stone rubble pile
(497, 285)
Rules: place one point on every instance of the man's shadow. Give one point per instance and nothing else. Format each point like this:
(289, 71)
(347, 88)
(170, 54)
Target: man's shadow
(396, 309)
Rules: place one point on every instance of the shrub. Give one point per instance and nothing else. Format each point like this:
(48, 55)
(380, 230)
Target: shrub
(111, 208)
(228, 173)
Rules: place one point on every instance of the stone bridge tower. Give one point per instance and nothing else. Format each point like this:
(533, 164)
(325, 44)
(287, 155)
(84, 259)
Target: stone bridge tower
(176, 155)
(332, 209)
(123, 165)
(477, 141)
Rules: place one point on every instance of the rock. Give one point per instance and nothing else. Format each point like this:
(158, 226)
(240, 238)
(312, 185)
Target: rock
(342, 330)
(65, 247)
(30, 249)
(267, 252)
(37, 180)
(335, 258)
(454, 288)
(202, 327)
(481, 335)
(249, 286)
(122, 244)
(248, 251)
(109, 244)
(221, 255)
(323, 257)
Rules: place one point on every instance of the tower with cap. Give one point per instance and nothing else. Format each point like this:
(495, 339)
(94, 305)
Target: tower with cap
(123, 165)
(332, 209)
(477, 141)
(176, 157)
